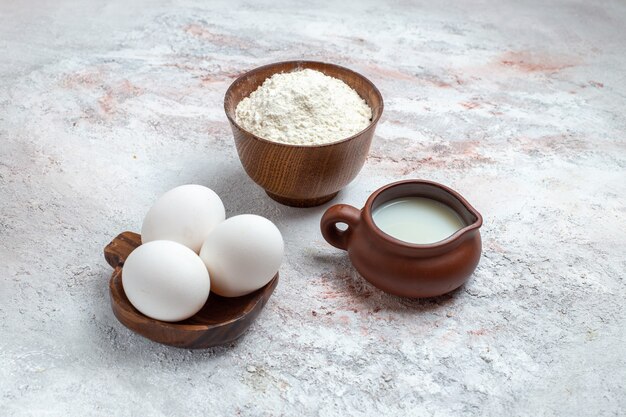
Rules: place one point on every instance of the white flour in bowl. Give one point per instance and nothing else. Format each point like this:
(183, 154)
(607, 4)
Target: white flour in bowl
(303, 107)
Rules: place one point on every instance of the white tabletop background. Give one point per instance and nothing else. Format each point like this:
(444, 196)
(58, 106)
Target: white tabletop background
(518, 105)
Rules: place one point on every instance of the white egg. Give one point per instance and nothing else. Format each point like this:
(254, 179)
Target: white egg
(166, 280)
(185, 214)
(242, 254)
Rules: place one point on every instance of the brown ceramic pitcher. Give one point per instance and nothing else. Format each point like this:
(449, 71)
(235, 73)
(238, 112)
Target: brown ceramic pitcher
(398, 267)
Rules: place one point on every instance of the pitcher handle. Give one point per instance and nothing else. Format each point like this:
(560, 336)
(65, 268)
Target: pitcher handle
(339, 213)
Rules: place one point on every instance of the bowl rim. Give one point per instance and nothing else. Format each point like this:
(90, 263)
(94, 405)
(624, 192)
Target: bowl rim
(444, 243)
(246, 74)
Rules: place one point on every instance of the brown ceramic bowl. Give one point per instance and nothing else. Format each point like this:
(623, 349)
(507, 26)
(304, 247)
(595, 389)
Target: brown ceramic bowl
(302, 175)
(402, 268)
(220, 321)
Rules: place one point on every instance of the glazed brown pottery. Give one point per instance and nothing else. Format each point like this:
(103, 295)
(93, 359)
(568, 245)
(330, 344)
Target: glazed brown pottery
(398, 267)
(302, 175)
(220, 321)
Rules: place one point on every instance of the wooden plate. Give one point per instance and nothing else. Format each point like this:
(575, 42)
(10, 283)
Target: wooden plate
(220, 321)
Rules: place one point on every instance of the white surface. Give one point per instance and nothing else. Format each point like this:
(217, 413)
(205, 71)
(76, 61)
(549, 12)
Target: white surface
(518, 105)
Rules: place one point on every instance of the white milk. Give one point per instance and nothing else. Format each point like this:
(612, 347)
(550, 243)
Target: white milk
(417, 220)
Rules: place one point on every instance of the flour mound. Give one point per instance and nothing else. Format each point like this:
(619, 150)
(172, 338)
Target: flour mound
(303, 107)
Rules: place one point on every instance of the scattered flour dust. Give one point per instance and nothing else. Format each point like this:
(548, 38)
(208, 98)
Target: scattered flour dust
(303, 107)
